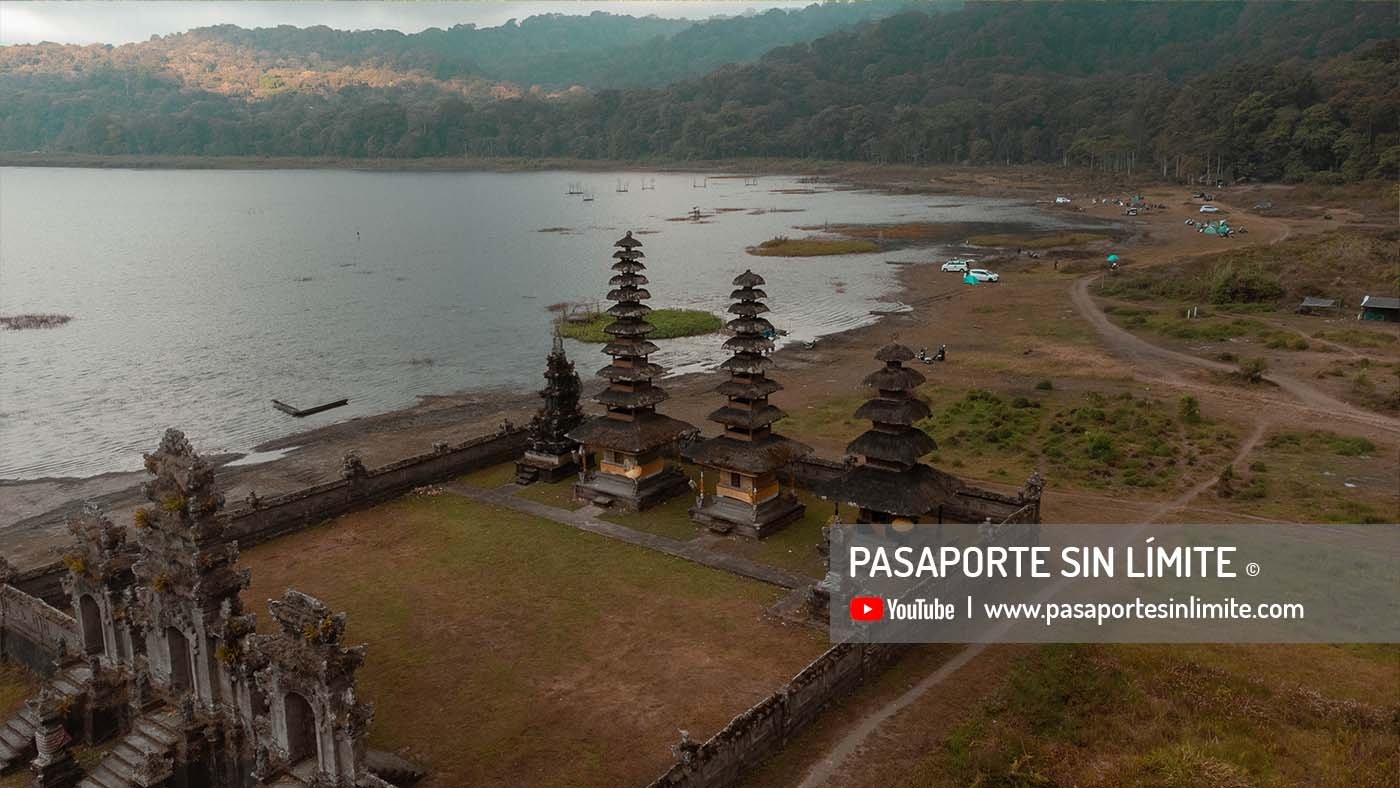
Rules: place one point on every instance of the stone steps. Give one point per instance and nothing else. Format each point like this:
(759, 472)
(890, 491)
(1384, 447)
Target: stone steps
(154, 733)
(17, 734)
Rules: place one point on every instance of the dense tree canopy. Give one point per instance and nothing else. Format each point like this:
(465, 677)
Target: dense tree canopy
(1261, 90)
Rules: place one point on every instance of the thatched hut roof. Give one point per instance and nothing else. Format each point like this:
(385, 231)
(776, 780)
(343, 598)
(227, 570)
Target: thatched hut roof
(646, 431)
(766, 454)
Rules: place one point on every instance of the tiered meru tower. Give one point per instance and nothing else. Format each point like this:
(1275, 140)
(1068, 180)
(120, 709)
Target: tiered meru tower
(632, 441)
(889, 484)
(747, 457)
(550, 454)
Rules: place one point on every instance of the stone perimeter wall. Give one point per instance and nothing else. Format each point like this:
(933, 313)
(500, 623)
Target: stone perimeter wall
(270, 518)
(276, 516)
(759, 733)
(33, 633)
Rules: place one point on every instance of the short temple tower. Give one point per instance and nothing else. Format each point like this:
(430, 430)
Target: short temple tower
(888, 483)
(632, 441)
(747, 457)
(550, 454)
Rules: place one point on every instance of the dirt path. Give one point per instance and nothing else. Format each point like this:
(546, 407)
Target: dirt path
(1152, 362)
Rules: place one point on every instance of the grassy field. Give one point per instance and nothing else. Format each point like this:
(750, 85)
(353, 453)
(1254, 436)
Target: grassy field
(669, 323)
(503, 647)
(1080, 439)
(812, 247)
(1178, 717)
(1207, 326)
(1315, 476)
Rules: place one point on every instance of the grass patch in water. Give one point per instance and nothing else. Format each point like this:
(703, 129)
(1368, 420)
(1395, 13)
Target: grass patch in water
(669, 323)
(812, 247)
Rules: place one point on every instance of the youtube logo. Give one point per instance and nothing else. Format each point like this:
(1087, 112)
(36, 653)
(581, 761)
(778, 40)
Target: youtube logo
(867, 608)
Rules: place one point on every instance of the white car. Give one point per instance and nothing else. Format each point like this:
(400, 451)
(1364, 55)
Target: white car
(983, 275)
(1062, 201)
(1209, 209)
(955, 266)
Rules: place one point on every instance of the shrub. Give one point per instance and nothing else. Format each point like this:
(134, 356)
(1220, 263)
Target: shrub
(1231, 285)
(1253, 369)
(1190, 408)
(1044, 385)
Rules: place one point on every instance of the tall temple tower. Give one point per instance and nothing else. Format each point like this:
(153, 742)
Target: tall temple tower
(746, 458)
(889, 484)
(549, 451)
(632, 441)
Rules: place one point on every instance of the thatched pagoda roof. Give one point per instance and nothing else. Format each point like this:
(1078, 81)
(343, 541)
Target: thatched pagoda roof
(766, 454)
(904, 447)
(627, 241)
(628, 266)
(628, 254)
(906, 411)
(629, 294)
(628, 309)
(748, 389)
(628, 280)
(748, 308)
(749, 325)
(747, 364)
(643, 396)
(748, 279)
(749, 419)
(748, 294)
(748, 344)
(646, 431)
(894, 378)
(914, 492)
(630, 346)
(894, 352)
(632, 374)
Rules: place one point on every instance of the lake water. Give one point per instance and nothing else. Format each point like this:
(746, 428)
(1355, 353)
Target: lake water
(198, 296)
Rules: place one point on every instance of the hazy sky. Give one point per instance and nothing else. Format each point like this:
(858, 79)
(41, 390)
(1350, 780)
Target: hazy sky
(121, 22)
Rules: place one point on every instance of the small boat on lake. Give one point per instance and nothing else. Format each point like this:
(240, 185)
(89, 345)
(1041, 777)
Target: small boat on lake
(298, 412)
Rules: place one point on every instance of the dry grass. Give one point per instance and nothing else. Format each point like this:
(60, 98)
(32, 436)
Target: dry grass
(1172, 716)
(1313, 476)
(505, 648)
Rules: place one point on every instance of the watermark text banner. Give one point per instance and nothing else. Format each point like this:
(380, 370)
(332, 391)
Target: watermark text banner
(1115, 583)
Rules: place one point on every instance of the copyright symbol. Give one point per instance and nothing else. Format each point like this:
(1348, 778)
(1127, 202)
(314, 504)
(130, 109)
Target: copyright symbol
(1251, 569)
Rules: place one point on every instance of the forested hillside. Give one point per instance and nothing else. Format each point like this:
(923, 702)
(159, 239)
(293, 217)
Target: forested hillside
(1260, 90)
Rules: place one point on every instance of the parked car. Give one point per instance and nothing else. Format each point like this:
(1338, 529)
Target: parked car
(955, 266)
(1209, 209)
(983, 275)
(1061, 200)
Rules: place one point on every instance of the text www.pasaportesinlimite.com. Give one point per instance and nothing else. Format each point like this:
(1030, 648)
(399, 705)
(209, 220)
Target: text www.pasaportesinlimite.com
(1191, 609)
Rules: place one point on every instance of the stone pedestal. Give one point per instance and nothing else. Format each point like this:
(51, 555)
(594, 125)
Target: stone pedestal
(725, 515)
(633, 495)
(538, 467)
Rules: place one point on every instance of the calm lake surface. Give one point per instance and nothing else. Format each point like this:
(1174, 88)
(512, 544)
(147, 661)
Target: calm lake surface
(198, 296)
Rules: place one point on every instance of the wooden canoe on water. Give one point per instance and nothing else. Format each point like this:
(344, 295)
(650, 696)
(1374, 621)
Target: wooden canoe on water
(288, 409)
